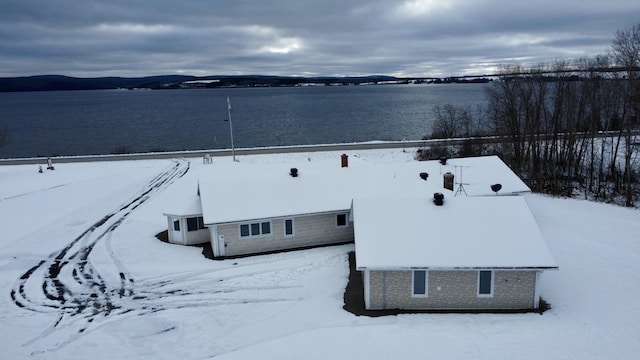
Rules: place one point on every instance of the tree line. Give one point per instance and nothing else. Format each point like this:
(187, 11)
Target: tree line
(566, 128)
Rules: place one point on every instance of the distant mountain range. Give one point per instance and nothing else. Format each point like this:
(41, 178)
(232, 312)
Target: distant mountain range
(59, 82)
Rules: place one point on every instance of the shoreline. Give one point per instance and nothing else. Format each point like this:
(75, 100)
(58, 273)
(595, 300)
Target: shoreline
(371, 145)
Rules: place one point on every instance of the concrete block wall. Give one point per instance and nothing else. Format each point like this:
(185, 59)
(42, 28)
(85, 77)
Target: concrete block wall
(449, 290)
(309, 230)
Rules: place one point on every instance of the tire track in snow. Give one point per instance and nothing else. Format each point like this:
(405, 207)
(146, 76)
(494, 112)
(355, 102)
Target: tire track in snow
(67, 282)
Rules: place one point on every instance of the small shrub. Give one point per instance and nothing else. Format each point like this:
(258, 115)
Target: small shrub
(434, 152)
(471, 147)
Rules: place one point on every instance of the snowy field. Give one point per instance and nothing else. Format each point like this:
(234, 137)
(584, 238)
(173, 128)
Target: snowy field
(83, 277)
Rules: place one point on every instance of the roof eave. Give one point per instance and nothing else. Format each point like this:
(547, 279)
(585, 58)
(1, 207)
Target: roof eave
(226, 222)
(456, 268)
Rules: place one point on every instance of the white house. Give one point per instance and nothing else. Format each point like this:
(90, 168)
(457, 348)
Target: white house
(481, 237)
(472, 253)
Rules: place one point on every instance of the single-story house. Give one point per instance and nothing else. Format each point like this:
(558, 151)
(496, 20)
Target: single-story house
(479, 248)
(472, 253)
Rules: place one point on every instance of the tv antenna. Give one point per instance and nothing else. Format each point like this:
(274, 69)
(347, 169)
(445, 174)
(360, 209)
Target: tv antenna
(458, 169)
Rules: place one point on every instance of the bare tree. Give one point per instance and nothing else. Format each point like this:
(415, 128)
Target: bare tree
(626, 52)
(451, 121)
(550, 118)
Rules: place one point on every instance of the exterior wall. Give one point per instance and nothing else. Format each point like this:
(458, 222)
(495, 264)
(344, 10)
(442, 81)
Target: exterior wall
(309, 230)
(452, 290)
(174, 237)
(196, 237)
(185, 237)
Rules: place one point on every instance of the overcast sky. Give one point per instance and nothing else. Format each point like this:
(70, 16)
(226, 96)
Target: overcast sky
(90, 38)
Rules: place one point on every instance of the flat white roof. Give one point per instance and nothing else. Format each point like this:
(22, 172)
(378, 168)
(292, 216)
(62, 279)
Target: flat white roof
(272, 193)
(465, 233)
(245, 192)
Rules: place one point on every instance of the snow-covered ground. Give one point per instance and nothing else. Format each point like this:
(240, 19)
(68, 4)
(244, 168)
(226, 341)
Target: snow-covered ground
(83, 277)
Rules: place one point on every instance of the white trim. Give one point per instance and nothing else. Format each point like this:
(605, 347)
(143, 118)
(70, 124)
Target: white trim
(183, 230)
(293, 227)
(426, 284)
(458, 268)
(217, 242)
(367, 288)
(282, 216)
(536, 292)
(493, 277)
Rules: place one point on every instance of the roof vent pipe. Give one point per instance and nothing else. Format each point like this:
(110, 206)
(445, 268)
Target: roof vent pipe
(294, 172)
(438, 199)
(424, 176)
(344, 160)
(443, 161)
(448, 181)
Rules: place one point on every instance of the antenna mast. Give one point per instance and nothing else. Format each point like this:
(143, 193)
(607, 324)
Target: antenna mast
(460, 183)
(233, 149)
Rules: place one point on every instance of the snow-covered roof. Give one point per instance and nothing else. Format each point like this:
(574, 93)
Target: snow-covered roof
(271, 193)
(244, 192)
(464, 233)
(190, 207)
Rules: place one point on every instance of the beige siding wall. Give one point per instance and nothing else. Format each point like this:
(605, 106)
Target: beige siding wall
(308, 230)
(452, 290)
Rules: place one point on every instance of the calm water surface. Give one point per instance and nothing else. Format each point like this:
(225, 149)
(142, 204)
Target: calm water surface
(101, 122)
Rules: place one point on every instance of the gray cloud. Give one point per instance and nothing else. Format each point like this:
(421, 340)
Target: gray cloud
(199, 37)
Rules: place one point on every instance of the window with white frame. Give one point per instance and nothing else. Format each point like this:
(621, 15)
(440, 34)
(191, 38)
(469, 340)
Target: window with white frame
(341, 220)
(288, 227)
(255, 229)
(485, 283)
(420, 283)
(195, 223)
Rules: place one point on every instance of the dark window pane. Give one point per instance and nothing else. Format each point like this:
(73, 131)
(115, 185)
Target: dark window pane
(288, 227)
(484, 285)
(192, 224)
(341, 220)
(176, 225)
(201, 223)
(255, 229)
(244, 230)
(266, 228)
(419, 282)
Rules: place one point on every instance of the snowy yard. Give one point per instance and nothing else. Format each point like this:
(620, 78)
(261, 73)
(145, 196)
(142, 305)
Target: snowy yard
(82, 276)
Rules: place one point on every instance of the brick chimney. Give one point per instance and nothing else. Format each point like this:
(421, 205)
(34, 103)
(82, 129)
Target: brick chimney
(448, 181)
(345, 160)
